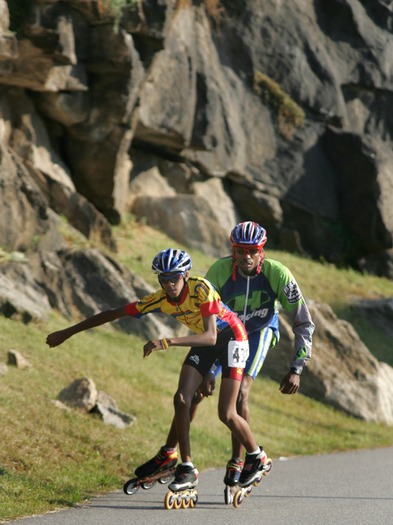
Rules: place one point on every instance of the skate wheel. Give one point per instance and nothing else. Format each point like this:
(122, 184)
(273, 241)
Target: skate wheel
(177, 502)
(267, 467)
(257, 481)
(238, 499)
(131, 486)
(169, 500)
(146, 485)
(185, 503)
(165, 480)
(228, 495)
(248, 491)
(193, 499)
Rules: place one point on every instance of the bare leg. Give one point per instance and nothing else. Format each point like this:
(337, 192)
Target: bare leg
(243, 410)
(171, 440)
(189, 381)
(228, 414)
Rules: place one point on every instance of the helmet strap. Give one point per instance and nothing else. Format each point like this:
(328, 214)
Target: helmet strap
(234, 266)
(261, 259)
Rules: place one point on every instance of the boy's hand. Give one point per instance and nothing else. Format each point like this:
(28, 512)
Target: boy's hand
(151, 346)
(56, 338)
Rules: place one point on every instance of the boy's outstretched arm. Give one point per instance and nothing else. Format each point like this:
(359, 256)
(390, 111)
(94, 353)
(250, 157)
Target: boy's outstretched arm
(57, 338)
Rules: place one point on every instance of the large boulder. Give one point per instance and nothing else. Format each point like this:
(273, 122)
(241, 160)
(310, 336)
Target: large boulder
(198, 218)
(83, 394)
(342, 371)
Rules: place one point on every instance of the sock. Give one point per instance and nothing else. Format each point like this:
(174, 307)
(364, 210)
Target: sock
(188, 464)
(254, 453)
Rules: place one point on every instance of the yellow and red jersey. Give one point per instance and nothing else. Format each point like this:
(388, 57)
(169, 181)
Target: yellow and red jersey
(199, 299)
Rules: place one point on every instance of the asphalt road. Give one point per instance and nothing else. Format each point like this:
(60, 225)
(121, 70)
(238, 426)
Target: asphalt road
(345, 488)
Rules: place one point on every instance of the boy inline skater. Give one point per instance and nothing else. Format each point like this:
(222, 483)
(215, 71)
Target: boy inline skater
(219, 335)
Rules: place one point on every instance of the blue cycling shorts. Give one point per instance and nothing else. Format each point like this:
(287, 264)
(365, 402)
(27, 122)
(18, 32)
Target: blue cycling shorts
(260, 343)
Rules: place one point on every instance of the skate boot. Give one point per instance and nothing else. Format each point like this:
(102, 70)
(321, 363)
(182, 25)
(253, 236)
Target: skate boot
(186, 477)
(231, 478)
(164, 460)
(232, 474)
(253, 466)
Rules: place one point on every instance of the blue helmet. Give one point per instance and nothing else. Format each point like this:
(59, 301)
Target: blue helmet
(171, 261)
(248, 234)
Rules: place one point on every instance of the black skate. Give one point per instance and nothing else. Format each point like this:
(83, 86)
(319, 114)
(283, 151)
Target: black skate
(231, 478)
(254, 468)
(161, 468)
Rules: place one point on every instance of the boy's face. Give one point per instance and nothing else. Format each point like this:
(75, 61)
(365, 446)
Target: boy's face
(247, 259)
(172, 284)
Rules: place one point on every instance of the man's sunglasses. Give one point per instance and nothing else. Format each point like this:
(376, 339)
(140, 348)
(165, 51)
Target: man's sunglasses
(172, 279)
(247, 251)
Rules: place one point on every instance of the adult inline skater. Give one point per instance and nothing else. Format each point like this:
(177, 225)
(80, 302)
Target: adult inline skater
(254, 286)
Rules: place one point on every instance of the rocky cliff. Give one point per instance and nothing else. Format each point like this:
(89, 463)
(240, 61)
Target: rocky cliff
(192, 115)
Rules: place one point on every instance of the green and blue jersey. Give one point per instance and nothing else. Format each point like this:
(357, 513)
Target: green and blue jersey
(256, 300)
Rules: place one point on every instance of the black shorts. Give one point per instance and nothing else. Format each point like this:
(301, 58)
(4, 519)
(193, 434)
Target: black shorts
(202, 357)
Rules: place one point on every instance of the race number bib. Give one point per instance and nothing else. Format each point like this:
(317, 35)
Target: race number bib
(237, 354)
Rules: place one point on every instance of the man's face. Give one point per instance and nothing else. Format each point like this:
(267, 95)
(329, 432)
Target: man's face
(172, 284)
(247, 259)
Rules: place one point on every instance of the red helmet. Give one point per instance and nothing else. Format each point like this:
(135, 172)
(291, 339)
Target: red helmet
(246, 234)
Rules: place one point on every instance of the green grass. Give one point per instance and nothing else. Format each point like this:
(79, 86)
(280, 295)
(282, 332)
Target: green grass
(51, 458)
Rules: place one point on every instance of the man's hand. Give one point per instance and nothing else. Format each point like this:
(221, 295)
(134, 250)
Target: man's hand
(290, 383)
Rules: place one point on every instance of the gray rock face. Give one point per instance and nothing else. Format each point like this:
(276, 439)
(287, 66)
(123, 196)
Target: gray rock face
(283, 104)
(275, 112)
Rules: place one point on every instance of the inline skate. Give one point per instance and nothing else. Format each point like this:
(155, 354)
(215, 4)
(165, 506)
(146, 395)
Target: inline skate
(251, 476)
(182, 492)
(160, 468)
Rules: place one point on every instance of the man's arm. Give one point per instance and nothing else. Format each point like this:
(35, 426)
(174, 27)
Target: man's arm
(303, 329)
